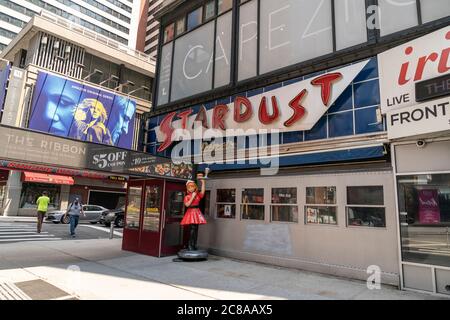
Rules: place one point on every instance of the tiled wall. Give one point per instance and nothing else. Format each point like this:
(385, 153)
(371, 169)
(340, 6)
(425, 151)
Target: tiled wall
(354, 112)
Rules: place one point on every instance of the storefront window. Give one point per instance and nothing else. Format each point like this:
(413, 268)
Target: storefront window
(284, 205)
(252, 206)
(226, 203)
(365, 207)
(32, 191)
(152, 208)
(424, 207)
(319, 209)
(134, 207)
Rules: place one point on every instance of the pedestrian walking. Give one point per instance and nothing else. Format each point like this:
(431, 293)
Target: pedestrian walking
(74, 210)
(42, 203)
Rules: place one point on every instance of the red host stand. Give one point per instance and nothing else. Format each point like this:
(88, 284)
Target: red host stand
(154, 210)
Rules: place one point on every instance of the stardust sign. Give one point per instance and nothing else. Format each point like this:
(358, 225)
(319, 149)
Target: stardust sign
(294, 107)
(418, 60)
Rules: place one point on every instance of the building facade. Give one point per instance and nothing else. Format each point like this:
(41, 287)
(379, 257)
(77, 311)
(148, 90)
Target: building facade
(63, 81)
(116, 20)
(301, 81)
(152, 29)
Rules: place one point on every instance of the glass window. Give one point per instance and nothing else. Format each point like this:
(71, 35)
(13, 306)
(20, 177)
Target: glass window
(181, 25)
(321, 212)
(164, 74)
(365, 206)
(434, 9)
(424, 207)
(223, 50)
(169, 33)
(370, 195)
(351, 28)
(194, 18)
(397, 15)
(284, 205)
(248, 33)
(152, 208)
(210, 10)
(134, 207)
(32, 191)
(226, 207)
(252, 206)
(294, 31)
(225, 5)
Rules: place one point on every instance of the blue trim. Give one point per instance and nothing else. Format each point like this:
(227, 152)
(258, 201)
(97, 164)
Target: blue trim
(307, 159)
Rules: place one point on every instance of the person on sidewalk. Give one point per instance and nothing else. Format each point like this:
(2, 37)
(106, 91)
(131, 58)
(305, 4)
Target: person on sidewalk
(193, 216)
(74, 210)
(42, 203)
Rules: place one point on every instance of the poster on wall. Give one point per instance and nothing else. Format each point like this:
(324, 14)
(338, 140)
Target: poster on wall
(429, 212)
(71, 109)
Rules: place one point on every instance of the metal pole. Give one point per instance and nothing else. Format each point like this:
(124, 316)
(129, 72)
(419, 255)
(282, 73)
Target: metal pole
(111, 230)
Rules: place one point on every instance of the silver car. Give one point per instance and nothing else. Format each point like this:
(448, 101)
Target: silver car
(93, 214)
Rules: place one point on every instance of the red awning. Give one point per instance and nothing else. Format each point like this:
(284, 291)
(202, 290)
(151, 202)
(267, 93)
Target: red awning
(47, 178)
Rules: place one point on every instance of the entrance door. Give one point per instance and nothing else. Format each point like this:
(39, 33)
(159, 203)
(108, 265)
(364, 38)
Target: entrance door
(174, 236)
(134, 204)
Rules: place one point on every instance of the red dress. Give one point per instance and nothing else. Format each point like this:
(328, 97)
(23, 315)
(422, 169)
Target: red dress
(193, 215)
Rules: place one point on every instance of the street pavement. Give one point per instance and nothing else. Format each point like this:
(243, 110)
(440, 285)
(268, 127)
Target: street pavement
(97, 268)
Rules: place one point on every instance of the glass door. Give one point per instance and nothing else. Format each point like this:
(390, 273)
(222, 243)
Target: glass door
(173, 234)
(131, 231)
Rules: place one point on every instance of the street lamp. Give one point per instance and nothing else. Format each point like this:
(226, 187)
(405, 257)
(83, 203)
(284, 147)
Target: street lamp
(92, 73)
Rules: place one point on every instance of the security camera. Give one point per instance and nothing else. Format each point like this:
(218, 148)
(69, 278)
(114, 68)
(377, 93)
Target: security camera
(421, 143)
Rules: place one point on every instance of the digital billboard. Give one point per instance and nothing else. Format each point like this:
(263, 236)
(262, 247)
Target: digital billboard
(72, 109)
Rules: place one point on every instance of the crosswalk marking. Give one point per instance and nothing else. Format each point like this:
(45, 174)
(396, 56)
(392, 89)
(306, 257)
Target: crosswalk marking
(12, 232)
(9, 291)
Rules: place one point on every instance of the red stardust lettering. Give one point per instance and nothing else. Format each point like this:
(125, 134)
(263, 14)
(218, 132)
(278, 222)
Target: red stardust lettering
(167, 129)
(263, 115)
(219, 114)
(201, 116)
(247, 114)
(184, 118)
(325, 83)
(299, 110)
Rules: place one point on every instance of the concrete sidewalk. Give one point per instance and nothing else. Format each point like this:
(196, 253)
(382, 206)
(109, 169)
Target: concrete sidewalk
(99, 269)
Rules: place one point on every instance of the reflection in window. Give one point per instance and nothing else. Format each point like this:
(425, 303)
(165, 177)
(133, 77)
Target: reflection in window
(365, 206)
(194, 18)
(152, 208)
(252, 206)
(32, 191)
(181, 25)
(210, 9)
(424, 207)
(134, 207)
(225, 5)
(321, 212)
(226, 203)
(284, 205)
(169, 33)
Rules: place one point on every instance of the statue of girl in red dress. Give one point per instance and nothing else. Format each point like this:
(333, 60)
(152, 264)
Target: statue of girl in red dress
(193, 216)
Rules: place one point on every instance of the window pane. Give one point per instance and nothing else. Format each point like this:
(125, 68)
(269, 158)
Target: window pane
(397, 15)
(181, 25)
(32, 191)
(424, 206)
(294, 31)
(248, 32)
(252, 212)
(284, 213)
(192, 67)
(351, 28)
(210, 10)
(164, 74)
(152, 205)
(321, 215)
(253, 196)
(284, 195)
(321, 195)
(223, 50)
(372, 195)
(434, 9)
(227, 211)
(134, 207)
(169, 33)
(195, 18)
(207, 202)
(366, 217)
(226, 195)
(225, 5)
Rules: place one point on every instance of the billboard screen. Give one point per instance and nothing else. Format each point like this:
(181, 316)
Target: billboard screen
(71, 109)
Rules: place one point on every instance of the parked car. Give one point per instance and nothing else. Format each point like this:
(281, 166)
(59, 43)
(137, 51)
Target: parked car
(114, 216)
(93, 214)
